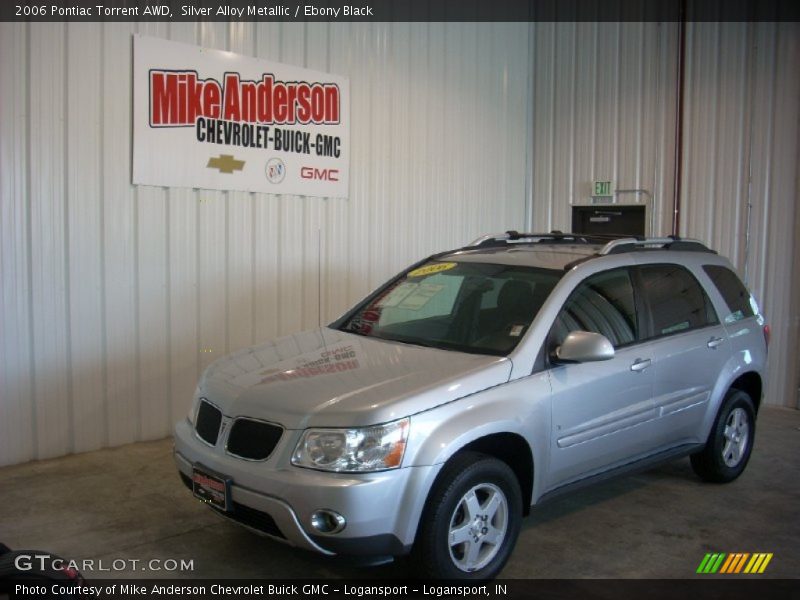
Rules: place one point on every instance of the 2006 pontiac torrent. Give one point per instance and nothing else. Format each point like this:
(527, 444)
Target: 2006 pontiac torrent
(476, 384)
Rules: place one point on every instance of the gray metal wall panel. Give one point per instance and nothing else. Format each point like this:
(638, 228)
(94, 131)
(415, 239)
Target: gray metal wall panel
(115, 297)
(604, 106)
(17, 424)
(83, 240)
(47, 194)
(775, 169)
(740, 168)
(121, 411)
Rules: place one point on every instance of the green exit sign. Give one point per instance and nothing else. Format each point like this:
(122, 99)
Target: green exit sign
(603, 188)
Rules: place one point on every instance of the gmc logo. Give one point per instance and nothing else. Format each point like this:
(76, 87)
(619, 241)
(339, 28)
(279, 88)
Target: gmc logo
(321, 174)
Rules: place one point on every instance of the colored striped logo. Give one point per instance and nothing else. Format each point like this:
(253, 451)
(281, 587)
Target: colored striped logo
(737, 562)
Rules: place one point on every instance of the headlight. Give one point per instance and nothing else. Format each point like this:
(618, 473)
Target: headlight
(353, 450)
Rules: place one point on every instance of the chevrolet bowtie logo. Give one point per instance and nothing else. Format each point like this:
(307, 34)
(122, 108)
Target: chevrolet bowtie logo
(225, 163)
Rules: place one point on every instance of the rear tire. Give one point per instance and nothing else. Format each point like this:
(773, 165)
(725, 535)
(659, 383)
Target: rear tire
(730, 442)
(471, 519)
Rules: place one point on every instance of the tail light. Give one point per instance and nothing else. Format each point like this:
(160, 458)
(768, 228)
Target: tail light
(766, 334)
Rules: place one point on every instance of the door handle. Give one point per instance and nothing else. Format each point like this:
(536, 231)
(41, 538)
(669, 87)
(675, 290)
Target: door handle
(714, 342)
(640, 364)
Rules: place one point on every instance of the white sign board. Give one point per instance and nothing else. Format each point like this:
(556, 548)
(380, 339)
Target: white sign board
(222, 121)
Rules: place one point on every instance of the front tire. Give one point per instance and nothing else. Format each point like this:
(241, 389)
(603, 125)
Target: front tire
(730, 442)
(471, 520)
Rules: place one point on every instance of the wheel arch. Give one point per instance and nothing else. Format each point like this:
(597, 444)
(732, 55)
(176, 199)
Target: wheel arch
(752, 384)
(513, 450)
(507, 446)
(509, 422)
(735, 374)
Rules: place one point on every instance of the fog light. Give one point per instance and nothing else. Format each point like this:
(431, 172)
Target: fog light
(327, 521)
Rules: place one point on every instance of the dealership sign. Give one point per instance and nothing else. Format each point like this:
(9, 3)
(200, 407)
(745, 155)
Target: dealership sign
(218, 120)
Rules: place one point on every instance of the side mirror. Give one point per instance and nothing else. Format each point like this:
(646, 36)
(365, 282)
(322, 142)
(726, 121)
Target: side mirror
(584, 346)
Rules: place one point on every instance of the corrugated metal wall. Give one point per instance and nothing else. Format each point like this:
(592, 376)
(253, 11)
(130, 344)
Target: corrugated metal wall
(604, 104)
(114, 297)
(604, 108)
(740, 169)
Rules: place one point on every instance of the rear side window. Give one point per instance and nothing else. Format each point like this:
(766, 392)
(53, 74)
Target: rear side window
(602, 304)
(677, 301)
(733, 291)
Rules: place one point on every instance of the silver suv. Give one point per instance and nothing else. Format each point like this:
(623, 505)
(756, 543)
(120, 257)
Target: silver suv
(474, 385)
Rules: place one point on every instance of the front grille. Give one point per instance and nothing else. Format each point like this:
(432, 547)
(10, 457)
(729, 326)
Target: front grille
(208, 420)
(251, 439)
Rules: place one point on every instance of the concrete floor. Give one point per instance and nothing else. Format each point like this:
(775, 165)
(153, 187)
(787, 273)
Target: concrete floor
(128, 503)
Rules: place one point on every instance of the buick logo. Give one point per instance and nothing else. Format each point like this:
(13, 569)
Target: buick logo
(275, 170)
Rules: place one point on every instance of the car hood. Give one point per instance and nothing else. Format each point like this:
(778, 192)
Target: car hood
(329, 378)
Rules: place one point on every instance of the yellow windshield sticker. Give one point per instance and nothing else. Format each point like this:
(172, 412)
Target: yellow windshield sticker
(431, 269)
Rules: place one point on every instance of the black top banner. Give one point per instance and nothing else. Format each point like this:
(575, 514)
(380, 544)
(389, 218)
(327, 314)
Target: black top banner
(398, 10)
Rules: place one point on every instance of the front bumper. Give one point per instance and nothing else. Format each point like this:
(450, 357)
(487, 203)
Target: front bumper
(381, 509)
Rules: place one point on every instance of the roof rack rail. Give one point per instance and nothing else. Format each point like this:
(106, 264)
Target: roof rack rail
(554, 237)
(672, 242)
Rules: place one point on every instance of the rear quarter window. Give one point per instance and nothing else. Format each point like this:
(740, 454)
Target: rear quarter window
(732, 290)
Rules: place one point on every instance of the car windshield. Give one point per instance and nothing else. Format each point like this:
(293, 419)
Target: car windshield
(471, 307)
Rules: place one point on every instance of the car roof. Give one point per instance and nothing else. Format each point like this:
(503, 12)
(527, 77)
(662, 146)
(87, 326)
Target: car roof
(543, 256)
(559, 251)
